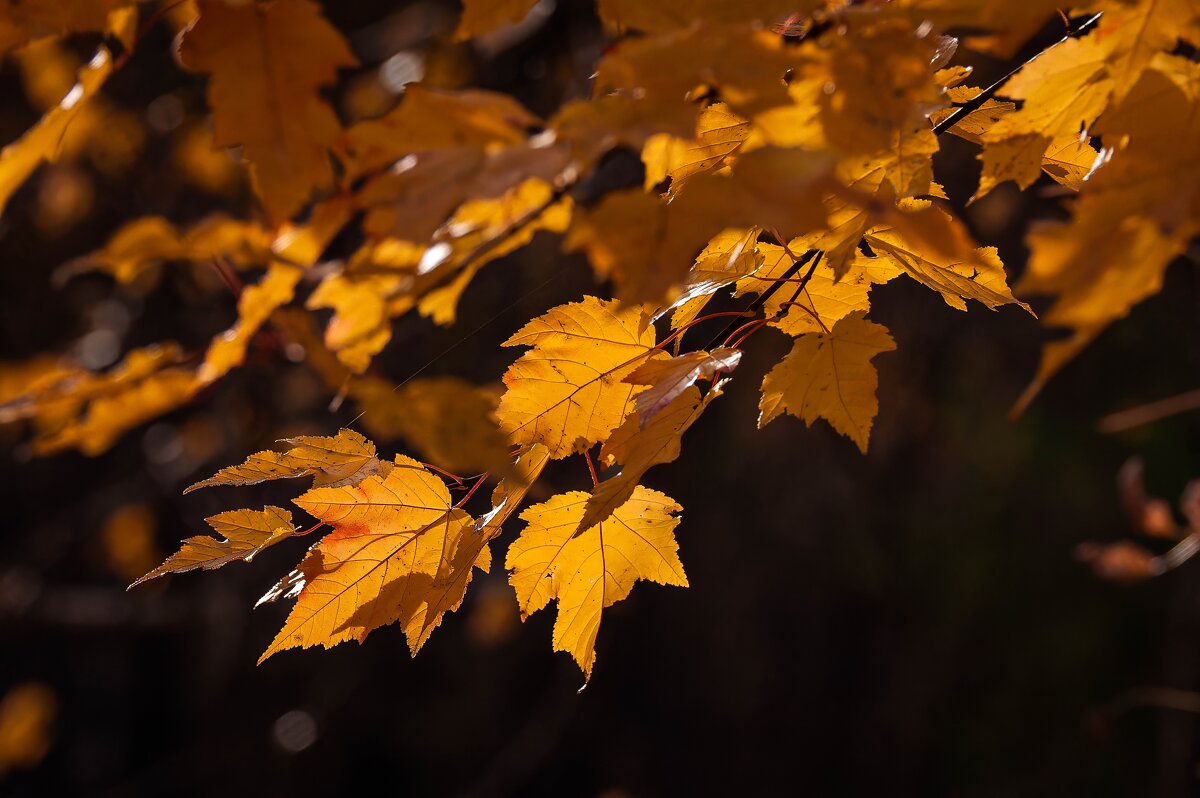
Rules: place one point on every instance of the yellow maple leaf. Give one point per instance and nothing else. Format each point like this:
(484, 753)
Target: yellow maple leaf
(1069, 161)
(873, 83)
(648, 246)
(641, 259)
(294, 248)
(109, 416)
(742, 64)
(1135, 33)
(268, 63)
(934, 249)
(343, 459)
(149, 240)
(390, 276)
(501, 225)
(1063, 91)
(88, 411)
(566, 393)
(1136, 213)
(719, 134)
(592, 128)
(511, 491)
(416, 197)
(589, 572)
(397, 554)
(972, 126)
(243, 534)
(360, 326)
(830, 376)
(729, 256)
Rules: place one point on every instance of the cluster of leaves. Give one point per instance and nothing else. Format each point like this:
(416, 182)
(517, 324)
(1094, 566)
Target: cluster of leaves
(787, 149)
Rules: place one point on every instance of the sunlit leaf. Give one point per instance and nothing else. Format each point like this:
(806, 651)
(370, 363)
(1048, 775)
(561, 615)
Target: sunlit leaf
(589, 572)
(830, 376)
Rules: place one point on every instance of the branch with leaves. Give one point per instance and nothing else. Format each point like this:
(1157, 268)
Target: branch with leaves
(786, 151)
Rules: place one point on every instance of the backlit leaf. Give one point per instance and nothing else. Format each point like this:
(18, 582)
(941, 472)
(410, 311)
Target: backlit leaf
(396, 554)
(267, 64)
(343, 459)
(89, 411)
(933, 248)
(242, 534)
(830, 376)
(255, 305)
(567, 392)
(589, 572)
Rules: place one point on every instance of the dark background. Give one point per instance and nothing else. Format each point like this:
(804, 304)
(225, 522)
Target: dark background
(911, 622)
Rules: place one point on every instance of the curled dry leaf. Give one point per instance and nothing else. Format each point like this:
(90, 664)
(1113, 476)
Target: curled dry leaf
(669, 378)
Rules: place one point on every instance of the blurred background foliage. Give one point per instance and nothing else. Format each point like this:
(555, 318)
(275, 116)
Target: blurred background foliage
(911, 622)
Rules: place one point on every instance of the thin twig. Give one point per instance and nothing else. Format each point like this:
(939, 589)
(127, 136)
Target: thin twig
(591, 468)
(800, 289)
(756, 325)
(444, 472)
(738, 330)
(973, 104)
(762, 298)
(684, 328)
(478, 483)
